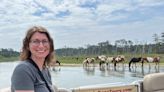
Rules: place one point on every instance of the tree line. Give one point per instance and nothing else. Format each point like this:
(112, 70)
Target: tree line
(8, 52)
(121, 46)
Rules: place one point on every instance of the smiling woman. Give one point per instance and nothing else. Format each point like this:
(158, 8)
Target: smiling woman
(32, 74)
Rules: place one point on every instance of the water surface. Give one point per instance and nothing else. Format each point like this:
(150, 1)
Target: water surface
(70, 77)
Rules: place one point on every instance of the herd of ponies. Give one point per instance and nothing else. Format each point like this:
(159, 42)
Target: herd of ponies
(105, 61)
(108, 61)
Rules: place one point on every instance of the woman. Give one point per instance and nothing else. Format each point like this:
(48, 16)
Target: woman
(32, 74)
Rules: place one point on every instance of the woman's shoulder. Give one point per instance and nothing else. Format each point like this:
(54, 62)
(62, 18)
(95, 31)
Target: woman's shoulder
(24, 66)
(23, 71)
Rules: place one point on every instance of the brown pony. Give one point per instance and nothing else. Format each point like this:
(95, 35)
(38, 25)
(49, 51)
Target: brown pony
(88, 61)
(119, 59)
(155, 60)
(54, 64)
(102, 60)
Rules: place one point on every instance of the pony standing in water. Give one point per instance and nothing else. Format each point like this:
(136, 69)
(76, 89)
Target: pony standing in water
(119, 59)
(110, 60)
(54, 64)
(88, 61)
(149, 60)
(102, 60)
(135, 60)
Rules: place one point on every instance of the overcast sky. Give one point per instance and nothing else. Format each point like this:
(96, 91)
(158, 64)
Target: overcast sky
(76, 23)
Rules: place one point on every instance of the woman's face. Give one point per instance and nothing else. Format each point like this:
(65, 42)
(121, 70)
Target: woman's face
(39, 46)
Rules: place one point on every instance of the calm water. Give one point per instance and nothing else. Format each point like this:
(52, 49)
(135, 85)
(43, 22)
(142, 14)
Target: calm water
(70, 77)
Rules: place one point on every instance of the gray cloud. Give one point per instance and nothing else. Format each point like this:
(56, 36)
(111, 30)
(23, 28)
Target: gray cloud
(75, 23)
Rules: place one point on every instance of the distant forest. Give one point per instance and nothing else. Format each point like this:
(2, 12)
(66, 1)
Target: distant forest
(121, 46)
(8, 53)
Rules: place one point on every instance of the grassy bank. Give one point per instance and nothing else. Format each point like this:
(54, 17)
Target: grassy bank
(79, 59)
(6, 59)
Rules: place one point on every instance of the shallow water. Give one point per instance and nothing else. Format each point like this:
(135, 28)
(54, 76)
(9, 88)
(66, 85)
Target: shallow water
(70, 77)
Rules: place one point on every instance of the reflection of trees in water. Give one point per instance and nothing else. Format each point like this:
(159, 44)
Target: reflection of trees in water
(142, 71)
(106, 71)
(89, 70)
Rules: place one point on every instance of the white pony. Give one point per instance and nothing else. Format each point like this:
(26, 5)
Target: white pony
(102, 60)
(149, 60)
(110, 60)
(119, 59)
(88, 61)
(54, 65)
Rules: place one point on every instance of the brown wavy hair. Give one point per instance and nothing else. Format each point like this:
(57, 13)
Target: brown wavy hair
(26, 54)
